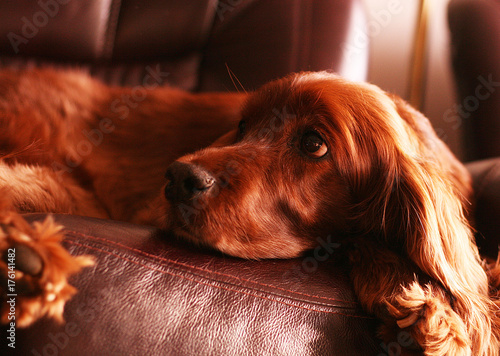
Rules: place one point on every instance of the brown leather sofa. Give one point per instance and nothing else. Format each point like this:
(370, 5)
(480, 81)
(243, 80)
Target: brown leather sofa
(149, 293)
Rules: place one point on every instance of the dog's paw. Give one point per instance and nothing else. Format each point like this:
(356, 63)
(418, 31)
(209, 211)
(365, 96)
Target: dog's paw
(34, 270)
(426, 315)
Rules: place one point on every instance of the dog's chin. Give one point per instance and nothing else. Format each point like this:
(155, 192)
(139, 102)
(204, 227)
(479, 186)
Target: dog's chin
(225, 241)
(185, 234)
(200, 239)
(253, 252)
(236, 247)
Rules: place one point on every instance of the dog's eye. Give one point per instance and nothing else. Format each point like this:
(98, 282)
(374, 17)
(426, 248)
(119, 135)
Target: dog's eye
(313, 145)
(242, 128)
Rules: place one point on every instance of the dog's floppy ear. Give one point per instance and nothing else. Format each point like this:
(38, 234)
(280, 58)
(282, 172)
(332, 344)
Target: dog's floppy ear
(433, 146)
(420, 209)
(429, 194)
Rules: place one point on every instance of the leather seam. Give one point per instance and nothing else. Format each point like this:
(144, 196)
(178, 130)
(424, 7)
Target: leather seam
(207, 270)
(214, 285)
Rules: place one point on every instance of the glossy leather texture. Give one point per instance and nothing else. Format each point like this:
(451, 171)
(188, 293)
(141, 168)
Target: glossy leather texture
(150, 294)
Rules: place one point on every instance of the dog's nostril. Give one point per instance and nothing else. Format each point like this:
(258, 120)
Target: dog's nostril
(198, 184)
(209, 181)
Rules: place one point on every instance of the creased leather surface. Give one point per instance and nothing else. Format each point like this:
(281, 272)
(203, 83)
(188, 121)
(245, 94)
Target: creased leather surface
(150, 294)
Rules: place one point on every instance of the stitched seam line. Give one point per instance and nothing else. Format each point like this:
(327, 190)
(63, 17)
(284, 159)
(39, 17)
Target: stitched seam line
(214, 285)
(207, 270)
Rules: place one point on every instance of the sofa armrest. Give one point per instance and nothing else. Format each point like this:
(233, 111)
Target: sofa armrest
(152, 294)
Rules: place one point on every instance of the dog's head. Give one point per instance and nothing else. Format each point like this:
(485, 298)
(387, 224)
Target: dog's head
(314, 155)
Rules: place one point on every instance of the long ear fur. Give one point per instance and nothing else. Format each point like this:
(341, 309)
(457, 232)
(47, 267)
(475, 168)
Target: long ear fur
(428, 214)
(414, 195)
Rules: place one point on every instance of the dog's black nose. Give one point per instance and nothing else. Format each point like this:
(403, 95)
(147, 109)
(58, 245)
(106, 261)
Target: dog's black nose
(187, 181)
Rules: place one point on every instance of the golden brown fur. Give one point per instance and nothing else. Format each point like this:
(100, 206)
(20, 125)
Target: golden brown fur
(314, 155)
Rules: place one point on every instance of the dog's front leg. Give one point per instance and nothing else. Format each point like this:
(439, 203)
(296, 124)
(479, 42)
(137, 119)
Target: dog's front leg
(34, 266)
(34, 270)
(416, 312)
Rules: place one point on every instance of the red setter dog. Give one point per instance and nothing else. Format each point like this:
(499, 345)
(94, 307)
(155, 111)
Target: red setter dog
(312, 155)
